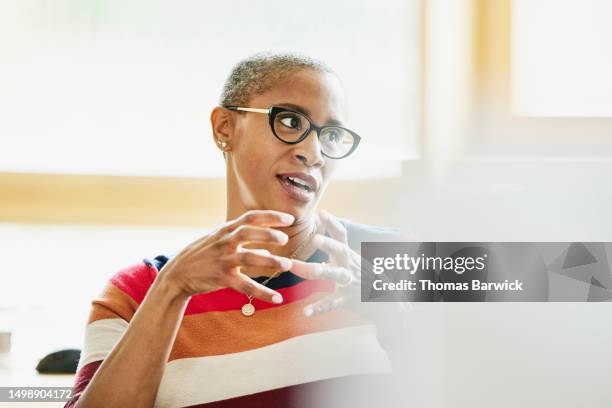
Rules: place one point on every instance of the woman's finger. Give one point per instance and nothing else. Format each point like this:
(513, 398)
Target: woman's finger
(257, 251)
(261, 218)
(312, 270)
(250, 258)
(247, 234)
(333, 248)
(334, 227)
(261, 271)
(250, 287)
(324, 305)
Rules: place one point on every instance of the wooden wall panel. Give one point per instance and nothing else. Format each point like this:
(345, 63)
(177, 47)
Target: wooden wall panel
(56, 198)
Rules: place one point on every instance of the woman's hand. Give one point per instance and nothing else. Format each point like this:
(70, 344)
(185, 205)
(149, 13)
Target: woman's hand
(214, 261)
(343, 267)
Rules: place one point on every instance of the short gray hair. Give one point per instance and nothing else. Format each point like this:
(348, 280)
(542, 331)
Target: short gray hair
(258, 73)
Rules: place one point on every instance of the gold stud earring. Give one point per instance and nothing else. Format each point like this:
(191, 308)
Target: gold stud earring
(222, 145)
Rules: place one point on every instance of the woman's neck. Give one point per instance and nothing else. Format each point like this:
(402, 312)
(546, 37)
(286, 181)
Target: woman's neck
(300, 238)
(299, 232)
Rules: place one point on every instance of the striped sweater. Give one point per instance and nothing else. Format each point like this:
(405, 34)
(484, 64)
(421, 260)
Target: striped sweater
(220, 358)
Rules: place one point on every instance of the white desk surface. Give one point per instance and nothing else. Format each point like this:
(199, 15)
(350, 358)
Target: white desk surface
(36, 333)
(19, 371)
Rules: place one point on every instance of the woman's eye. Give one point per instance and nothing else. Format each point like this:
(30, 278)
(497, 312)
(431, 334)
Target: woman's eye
(292, 122)
(334, 136)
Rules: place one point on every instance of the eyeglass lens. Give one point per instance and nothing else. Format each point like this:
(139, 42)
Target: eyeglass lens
(291, 126)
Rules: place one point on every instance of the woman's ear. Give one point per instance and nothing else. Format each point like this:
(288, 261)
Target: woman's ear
(222, 123)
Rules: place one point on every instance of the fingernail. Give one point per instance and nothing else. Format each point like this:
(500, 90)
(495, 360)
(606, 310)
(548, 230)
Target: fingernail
(288, 218)
(277, 298)
(285, 263)
(318, 271)
(308, 312)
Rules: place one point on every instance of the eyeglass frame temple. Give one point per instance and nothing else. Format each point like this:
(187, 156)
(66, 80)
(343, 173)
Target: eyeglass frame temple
(256, 110)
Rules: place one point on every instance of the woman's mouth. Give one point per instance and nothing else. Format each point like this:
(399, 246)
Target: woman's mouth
(298, 188)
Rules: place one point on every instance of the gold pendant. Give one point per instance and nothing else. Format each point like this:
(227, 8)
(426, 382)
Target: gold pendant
(248, 309)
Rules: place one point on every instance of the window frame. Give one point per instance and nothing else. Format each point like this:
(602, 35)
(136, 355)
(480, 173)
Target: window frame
(494, 129)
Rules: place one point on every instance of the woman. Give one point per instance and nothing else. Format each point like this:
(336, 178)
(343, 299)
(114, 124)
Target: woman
(255, 313)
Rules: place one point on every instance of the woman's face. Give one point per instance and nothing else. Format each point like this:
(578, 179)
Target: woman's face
(264, 171)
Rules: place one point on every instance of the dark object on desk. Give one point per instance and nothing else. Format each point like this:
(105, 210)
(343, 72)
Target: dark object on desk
(63, 361)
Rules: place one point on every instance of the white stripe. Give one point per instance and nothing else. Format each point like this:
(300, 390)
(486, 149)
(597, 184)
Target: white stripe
(100, 338)
(311, 357)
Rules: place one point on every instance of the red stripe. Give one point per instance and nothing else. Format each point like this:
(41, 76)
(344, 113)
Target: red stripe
(81, 380)
(137, 279)
(229, 299)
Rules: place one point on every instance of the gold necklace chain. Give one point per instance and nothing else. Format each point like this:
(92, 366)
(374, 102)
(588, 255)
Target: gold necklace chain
(248, 309)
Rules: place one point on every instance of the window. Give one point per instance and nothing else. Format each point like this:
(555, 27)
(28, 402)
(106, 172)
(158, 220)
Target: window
(117, 88)
(562, 58)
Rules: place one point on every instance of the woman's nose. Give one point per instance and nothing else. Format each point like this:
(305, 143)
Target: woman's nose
(308, 151)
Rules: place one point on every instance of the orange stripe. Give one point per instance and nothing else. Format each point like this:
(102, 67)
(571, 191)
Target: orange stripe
(216, 333)
(112, 303)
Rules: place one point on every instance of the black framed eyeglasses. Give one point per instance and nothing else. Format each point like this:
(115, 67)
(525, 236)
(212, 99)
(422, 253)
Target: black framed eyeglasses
(292, 127)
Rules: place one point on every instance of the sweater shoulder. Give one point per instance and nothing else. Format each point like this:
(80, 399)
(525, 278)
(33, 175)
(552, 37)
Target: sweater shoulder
(136, 279)
(358, 233)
